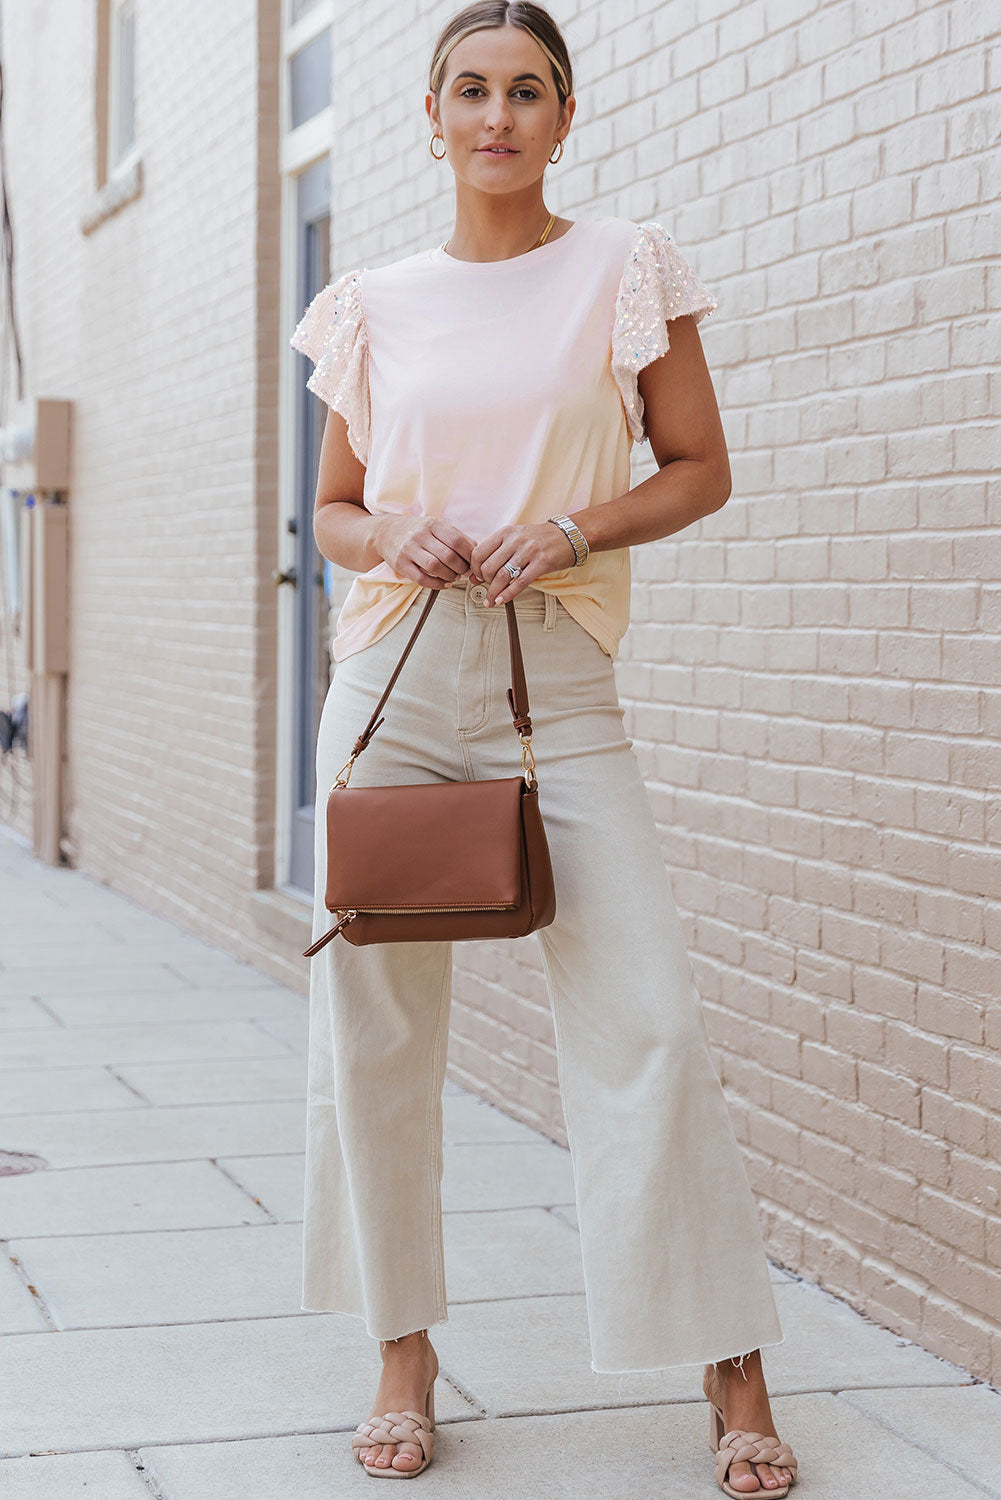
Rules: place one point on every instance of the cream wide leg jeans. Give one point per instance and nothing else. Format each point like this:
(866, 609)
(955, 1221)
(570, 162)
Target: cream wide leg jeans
(674, 1264)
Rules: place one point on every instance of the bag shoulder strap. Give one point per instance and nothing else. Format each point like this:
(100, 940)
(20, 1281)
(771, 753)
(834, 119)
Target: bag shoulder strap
(517, 693)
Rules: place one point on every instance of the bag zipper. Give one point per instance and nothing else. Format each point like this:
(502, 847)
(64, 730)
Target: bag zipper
(404, 911)
(346, 914)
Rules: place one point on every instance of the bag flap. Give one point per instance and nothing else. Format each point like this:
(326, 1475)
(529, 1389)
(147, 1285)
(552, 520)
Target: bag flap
(439, 843)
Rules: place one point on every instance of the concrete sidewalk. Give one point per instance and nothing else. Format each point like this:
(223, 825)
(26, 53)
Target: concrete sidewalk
(149, 1290)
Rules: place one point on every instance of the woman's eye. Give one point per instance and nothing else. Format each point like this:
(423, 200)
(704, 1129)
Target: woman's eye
(472, 88)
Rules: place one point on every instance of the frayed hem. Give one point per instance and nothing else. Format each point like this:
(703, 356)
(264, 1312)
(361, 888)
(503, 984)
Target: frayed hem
(681, 1364)
(383, 1338)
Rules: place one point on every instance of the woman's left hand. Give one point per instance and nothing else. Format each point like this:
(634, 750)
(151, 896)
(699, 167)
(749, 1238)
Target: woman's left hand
(540, 548)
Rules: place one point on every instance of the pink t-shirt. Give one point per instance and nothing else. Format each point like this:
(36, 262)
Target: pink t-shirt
(499, 392)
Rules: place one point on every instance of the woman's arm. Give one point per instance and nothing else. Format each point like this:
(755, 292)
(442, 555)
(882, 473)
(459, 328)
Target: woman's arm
(683, 424)
(345, 531)
(686, 435)
(430, 551)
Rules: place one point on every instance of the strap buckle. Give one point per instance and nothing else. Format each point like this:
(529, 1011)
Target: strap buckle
(527, 760)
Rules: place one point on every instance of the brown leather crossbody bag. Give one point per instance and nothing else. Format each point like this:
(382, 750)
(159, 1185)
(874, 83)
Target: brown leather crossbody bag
(442, 859)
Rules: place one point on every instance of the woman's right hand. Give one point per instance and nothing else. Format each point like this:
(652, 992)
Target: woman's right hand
(427, 549)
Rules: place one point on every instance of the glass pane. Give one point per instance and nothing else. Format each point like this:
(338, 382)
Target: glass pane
(125, 82)
(309, 79)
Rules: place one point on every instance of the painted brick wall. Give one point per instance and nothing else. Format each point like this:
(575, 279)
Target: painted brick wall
(813, 674)
(162, 325)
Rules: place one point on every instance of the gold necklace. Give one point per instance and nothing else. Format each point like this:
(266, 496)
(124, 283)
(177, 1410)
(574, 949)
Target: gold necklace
(540, 241)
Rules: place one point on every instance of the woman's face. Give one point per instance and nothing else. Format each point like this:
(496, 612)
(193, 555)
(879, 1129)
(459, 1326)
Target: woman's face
(498, 92)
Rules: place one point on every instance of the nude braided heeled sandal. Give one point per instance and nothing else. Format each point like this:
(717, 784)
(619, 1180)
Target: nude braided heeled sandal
(744, 1446)
(398, 1427)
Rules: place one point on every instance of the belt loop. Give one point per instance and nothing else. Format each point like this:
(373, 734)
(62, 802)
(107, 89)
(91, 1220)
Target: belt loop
(549, 623)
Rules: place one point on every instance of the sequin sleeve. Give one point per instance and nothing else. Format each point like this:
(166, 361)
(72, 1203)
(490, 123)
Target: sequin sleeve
(332, 334)
(657, 284)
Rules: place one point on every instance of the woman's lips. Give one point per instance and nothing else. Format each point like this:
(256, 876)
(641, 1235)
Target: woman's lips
(497, 151)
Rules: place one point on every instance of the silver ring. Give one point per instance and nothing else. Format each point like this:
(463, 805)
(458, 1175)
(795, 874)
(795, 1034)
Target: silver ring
(513, 568)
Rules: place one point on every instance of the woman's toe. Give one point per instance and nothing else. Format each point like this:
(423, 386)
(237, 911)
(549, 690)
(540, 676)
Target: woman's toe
(407, 1455)
(768, 1475)
(741, 1478)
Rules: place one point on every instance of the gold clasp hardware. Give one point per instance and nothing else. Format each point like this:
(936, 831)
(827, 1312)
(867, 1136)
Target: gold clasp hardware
(343, 780)
(527, 759)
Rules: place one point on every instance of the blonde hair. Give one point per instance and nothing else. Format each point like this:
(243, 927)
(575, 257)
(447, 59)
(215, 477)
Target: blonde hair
(490, 15)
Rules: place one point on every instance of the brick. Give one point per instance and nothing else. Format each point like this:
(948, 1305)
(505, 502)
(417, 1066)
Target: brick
(978, 1182)
(958, 1225)
(880, 993)
(954, 917)
(952, 1121)
(976, 1077)
(849, 937)
(892, 1299)
(888, 1093)
(894, 1192)
(804, 1013)
(949, 811)
(889, 804)
(832, 1259)
(948, 1015)
(921, 1058)
(829, 1070)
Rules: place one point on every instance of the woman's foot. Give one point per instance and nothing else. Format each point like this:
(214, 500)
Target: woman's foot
(409, 1367)
(744, 1403)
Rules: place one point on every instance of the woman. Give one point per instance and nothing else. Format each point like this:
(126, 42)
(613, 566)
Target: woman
(484, 397)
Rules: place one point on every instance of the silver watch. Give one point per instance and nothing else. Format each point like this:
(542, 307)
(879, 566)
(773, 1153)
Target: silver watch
(575, 536)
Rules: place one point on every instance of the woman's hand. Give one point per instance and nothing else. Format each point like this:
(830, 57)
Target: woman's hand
(427, 549)
(539, 548)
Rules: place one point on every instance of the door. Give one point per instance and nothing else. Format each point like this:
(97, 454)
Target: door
(311, 656)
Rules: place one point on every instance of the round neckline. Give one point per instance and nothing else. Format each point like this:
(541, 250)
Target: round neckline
(442, 257)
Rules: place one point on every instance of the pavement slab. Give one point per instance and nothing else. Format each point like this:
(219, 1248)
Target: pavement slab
(961, 1427)
(94, 1137)
(182, 1004)
(175, 1276)
(500, 1175)
(22, 1012)
(111, 1475)
(117, 1199)
(277, 1182)
(131, 1042)
(19, 1310)
(32, 1091)
(237, 1080)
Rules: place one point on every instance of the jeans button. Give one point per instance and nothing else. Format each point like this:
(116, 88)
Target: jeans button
(478, 593)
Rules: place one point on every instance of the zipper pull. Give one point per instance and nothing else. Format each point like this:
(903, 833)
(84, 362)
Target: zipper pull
(348, 916)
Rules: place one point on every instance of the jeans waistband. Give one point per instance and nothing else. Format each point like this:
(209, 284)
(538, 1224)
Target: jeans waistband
(469, 597)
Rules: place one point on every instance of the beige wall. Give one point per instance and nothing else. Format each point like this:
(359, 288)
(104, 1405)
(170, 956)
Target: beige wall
(160, 322)
(813, 674)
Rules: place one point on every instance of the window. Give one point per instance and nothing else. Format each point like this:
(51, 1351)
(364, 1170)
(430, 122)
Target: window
(309, 79)
(121, 82)
(117, 163)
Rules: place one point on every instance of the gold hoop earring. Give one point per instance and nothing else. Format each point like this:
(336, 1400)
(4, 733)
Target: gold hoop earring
(554, 159)
(432, 150)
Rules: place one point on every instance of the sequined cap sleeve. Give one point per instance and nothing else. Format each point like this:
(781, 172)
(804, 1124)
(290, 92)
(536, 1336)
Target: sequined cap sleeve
(657, 284)
(332, 333)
